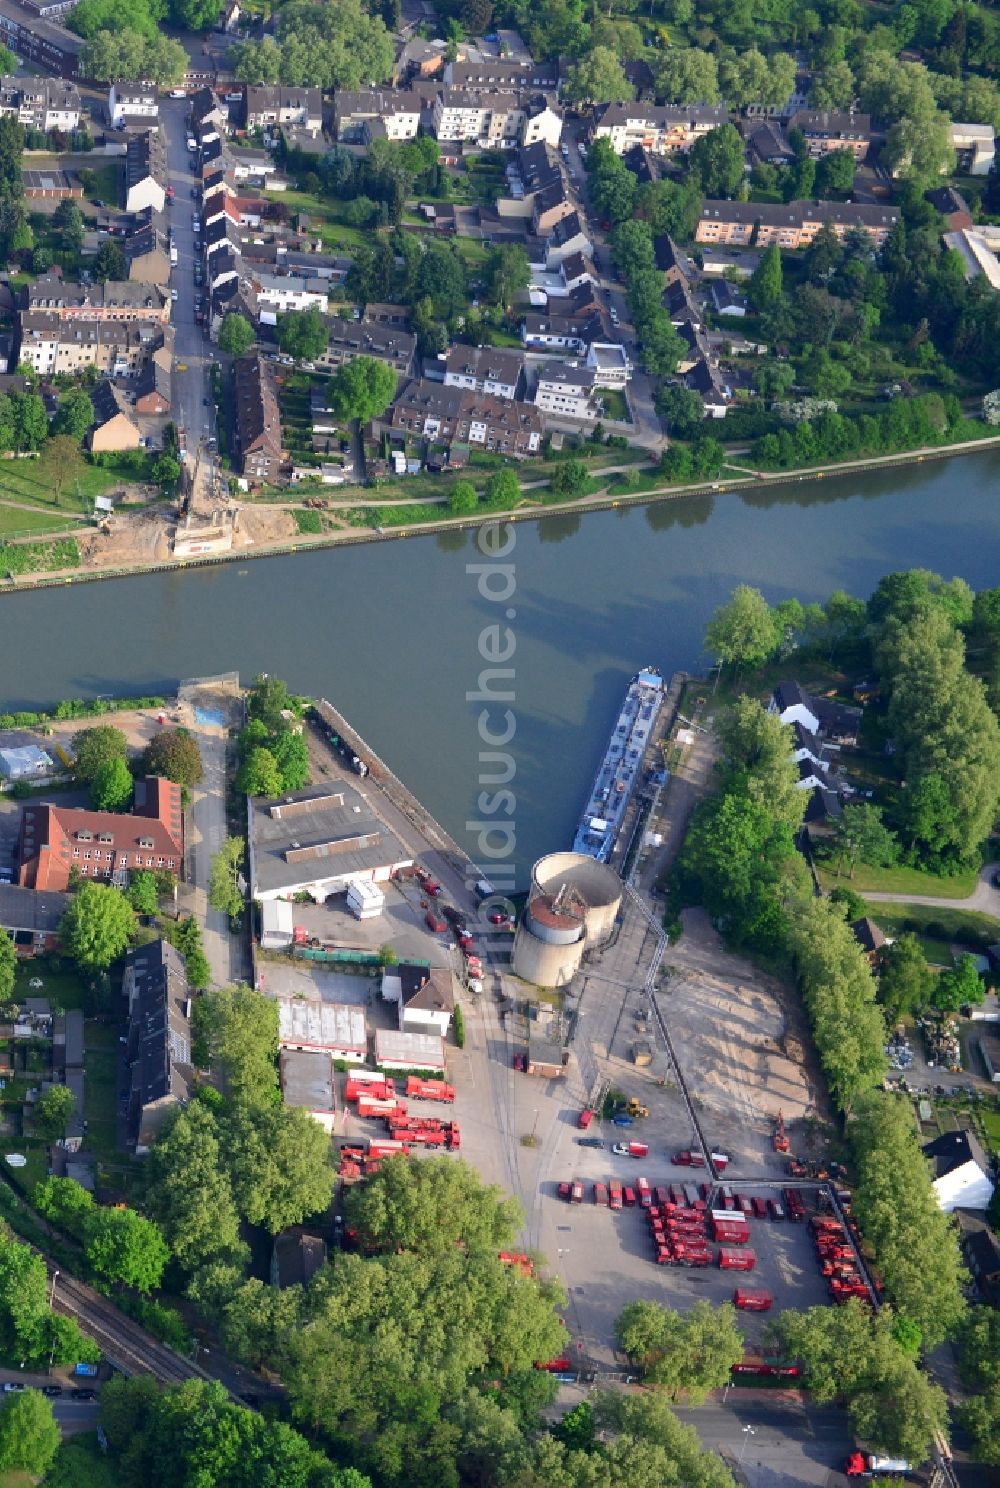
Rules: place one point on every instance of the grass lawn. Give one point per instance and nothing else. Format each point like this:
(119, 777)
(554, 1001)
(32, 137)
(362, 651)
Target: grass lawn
(615, 405)
(60, 983)
(32, 481)
(966, 926)
(900, 881)
(991, 1124)
(105, 187)
(16, 522)
(80, 1463)
(17, 1477)
(101, 1091)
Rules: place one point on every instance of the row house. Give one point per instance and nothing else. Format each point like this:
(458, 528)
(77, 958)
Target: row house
(132, 103)
(565, 333)
(102, 845)
(568, 239)
(357, 338)
(485, 369)
(496, 120)
(50, 345)
(266, 106)
(277, 294)
(396, 115)
(790, 224)
(114, 427)
(257, 430)
(145, 173)
(158, 1041)
(39, 40)
(116, 299)
(147, 251)
(40, 103)
(455, 416)
(827, 130)
(663, 129)
(207, 111)
(550, 203)
(566, 390)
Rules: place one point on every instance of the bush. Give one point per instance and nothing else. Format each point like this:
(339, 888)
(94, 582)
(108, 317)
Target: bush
(458, 1024)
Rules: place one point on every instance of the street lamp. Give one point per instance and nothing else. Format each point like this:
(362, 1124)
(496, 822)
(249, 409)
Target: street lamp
(748, 1432)
(52, 1293)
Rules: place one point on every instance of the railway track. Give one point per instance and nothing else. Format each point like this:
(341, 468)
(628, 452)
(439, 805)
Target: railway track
(123, 1342)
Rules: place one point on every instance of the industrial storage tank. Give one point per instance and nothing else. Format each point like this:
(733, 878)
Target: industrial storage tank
(550, 940)
(598, 887)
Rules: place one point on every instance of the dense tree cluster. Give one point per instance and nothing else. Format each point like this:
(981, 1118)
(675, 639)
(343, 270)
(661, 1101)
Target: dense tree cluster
(322, 43)
(29, 1331)
(685, 1354)
(273, 753)
(120, 1245)
(979, 1363)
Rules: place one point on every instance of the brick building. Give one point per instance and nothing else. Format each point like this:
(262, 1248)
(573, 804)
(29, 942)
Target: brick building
(102, 845)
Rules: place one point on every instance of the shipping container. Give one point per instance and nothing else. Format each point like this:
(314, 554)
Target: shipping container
(736, 1260)
(752, 1301)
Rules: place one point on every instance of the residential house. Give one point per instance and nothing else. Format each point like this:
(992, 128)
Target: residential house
(726, 300)
(835, 723)
(152, 390)
(158, 1042)
(671, 261)
(353, 338)
(145, 172)
(40, 41)
(265, 106)
(309, 1024)
(257, 425)
(568, 237)
(767, 142)
(399, 114)
(791, 224)
(207, 111)
(663, 129)
(550, 202)
(307, 1084)
(147, 251)
(117, 299)
(115, 427)
(981, 1248)
(52, 840)
(961, 1171)
(975, 146)
(424, 995)
(295, 1258)
(542, 123)
(132, 103)
(566, 389)
(556, 332)
(827, 130)
(40, 102)
(31, 919)
(870, 937)
(499, 75)
(485, 369)
(577, 271)
(454, 416)
(610, 364)
(707, 381)
(279, 293)
(419, 59)
(952, 205)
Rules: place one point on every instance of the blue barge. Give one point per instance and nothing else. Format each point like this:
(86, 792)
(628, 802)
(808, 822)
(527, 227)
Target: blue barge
(619, 770)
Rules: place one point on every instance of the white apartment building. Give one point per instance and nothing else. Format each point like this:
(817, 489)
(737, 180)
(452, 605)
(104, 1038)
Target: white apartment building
(565, 389)
(132, 102)
(663, 129)
(277, 294)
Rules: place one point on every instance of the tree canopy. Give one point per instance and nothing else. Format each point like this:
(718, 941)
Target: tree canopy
(174, 754)
(430, 1207)
(686, 1354)
(97, 926)
(93, 747)
(362, 389)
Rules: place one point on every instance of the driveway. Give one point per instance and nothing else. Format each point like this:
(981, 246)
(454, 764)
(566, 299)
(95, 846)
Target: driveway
(985, 897)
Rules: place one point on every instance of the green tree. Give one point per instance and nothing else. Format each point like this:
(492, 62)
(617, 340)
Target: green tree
(88, 17)
(189, 1191)
(279, 1159)
(114, 56)
(462, 499)
(862, 836)
(268, 701)
(97, 926)
(904, 1415)
(749, 77)
(689, 1354)
(681, 409)
(979, 1348)
(223, 890)
(110, 261)
(329, 47)
(68, 218)
(29, 1435)
(111, 787)
(174, 755)
(687, 75)
(66, 1203)
(506, 273)
(362, 389)
(124, 1246)
(52, 1112)
(758, 759)
(570, 478)
(292, 754)
(980, 1417)
(143, 892)
(236, 334)
(94, 747)
(766, 288)
(960, 985)
(75, 415)
(303, 334)
(503, 491)
(430, 1207)
(741, 633)
(236, 1032)
(905, 981)
(718, 158)
(260, 774)
(8, 966)
(835, 175)
(597, 78)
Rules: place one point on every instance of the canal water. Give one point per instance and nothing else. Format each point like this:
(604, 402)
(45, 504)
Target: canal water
(392, 632)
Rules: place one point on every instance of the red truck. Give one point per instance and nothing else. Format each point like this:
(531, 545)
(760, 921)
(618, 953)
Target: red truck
(388, 1149)
(736, 1260)
(584, 1119)
(793, 1202)
(755, 1368)
(377, 1106)
(865, 1464)
(729, 1227)
(374, 1089)
(432, 1090)
(645, 1194)
(748, 1299)
(615, 1194)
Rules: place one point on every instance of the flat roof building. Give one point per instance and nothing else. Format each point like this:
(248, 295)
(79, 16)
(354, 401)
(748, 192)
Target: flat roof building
(318, 841)
(307, 1083)
(417, 1051)
(307, 1024)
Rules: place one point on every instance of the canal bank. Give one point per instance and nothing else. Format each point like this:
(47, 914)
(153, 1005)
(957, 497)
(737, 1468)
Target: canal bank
(601, 501)
(392, 632)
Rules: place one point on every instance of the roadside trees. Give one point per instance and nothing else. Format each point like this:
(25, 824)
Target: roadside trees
(124, 1246)
(431, 1207)
(223, 890)
(29, 1435)
(905, 981)
(685, 1354)
(862, 836)
(97, 926)
(8, 966)
(236, 334)
(742, 632)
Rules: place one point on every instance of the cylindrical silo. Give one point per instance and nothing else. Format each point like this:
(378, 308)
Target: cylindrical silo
(597, 885)
(550, 940)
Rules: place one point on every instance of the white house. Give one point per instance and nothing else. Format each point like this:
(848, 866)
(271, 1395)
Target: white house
(279, 293)
(961, 1171)
(975, 146)
(566, 389)
(408, 1051)
(131, 103)
(425, 997)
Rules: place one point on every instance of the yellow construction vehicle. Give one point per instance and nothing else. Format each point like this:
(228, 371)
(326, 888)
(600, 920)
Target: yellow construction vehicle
(635, 1109)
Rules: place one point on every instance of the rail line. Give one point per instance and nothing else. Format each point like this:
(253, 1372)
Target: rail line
(124, 1343)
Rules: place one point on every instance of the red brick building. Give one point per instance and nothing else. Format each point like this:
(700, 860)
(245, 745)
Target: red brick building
(102, 845)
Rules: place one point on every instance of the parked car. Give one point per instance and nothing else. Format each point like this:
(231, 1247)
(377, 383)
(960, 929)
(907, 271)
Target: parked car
(777, 1209)
(83, 1394)
(432, 887)
(620, 1149)
(52, 1391)
(688, 1159)
(12, 1386)
(521, 1062)
(434, 921)
(589, 1142)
